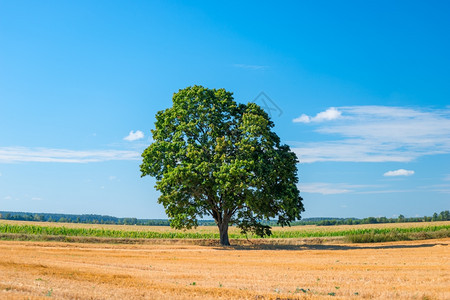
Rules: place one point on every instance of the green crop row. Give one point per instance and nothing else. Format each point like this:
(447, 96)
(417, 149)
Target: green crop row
(398, 236)
(375, 233)
(92, 232)
(352, 232)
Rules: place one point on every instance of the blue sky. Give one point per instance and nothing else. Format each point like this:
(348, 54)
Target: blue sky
(359, 90)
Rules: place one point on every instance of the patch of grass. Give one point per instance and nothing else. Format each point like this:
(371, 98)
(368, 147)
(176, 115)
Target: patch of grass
(49, 293)
(298, 290)
(396, 234)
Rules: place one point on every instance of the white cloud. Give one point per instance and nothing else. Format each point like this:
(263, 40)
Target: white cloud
(133, 136)
(36, 199)
(23, 154)
(330, 114)
(7, 198)
(377, 134)
(302, 119)
(399, 172)
(0, 174)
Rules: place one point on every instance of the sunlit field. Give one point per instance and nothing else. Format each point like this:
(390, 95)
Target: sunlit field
(208, 235)
(214, 229)
(321, 266)
(397, 270)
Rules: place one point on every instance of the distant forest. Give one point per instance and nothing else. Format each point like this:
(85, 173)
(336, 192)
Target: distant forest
(99, 219)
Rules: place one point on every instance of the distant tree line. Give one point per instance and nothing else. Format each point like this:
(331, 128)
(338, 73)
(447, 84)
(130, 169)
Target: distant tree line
(442, 216)
(89, 219)
(100, 219)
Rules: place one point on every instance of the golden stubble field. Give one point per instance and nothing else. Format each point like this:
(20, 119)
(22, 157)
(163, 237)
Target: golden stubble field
(397, 270)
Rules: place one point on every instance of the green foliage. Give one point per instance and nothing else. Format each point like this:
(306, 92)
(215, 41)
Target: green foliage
(354, 235)
(400, 234)
(88, 219)
(49, 293)
(298, 290)
(100, 219)
(442, 216)
(106, 233)
(212, 156)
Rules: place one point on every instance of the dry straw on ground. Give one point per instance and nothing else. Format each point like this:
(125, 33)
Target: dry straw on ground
(409, 270)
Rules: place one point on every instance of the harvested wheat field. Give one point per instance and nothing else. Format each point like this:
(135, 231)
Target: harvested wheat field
(409, 270)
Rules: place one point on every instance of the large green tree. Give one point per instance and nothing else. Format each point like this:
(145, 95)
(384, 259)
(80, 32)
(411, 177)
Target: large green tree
(213, 156)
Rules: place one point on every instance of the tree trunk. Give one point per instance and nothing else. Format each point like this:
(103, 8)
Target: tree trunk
(223, 229)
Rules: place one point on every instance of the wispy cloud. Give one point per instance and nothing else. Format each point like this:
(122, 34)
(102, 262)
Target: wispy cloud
(326, 188)
(349, 150)
(250, 67)
(133, 136)
(323, 188)
(23, 154)
(440, 188)
(399, 172)
(384, 191)
(376, 134)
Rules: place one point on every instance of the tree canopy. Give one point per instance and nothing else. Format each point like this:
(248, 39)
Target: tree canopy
(213, 156)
